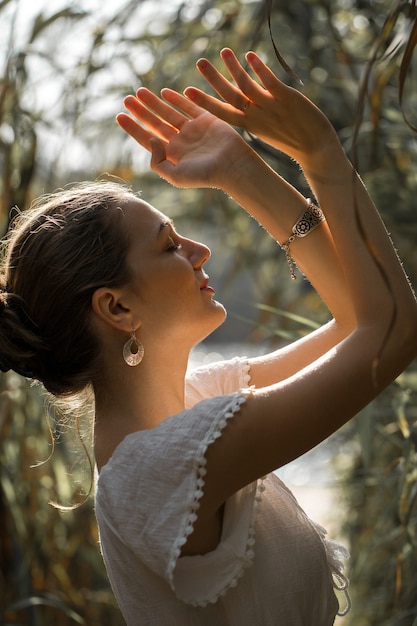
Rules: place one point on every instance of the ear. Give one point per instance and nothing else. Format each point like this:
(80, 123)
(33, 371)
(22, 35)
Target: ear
(111, 306)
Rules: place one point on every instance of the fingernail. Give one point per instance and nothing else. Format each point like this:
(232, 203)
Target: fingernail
(190, 93)
(226, 52)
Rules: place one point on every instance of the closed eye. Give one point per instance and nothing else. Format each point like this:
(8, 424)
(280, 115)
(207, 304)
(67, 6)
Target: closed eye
(174, 247)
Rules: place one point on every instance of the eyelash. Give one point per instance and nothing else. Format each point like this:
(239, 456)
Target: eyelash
(174, 248)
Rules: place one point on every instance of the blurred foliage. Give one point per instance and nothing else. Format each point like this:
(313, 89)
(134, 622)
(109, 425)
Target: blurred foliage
(65, 70)
(381, 508)
(51, 570)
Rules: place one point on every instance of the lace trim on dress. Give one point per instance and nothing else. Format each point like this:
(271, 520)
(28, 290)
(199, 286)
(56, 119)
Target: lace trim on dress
(190, 518)
(336, 555)
(245, 373)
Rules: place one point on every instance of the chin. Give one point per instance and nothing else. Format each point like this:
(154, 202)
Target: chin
(221, 311)
(221, 317)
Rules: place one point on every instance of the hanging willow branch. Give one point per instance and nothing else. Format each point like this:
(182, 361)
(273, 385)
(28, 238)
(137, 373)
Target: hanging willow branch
(377, 54)
(294, 76)
(405, 64)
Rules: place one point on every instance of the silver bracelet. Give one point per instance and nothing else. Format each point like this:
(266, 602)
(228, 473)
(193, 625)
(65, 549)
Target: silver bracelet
(307, 222)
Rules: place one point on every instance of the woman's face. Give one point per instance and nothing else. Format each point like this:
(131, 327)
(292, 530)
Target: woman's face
(175, 300)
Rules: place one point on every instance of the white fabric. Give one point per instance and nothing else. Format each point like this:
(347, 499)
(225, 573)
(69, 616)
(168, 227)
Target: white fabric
(272, 566)
(216, 379)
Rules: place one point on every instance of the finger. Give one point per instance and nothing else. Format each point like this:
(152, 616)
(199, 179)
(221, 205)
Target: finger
(133, 129)
(223, 87)
(160, 164)
(158, 153)
(222, 110)
(189, 108)
(152, 122)
(246, 84)
(265, 75)
(163, 110)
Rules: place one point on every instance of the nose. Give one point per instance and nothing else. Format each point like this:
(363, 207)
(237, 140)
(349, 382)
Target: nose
(198, 253)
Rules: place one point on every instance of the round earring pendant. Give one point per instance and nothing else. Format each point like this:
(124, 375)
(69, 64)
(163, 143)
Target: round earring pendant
(133, 352)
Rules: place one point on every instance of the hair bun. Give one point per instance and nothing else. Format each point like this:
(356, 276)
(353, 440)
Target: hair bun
(5, 364)
(12, 354)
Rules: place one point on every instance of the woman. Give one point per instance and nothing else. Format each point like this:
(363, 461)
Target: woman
(194, 528)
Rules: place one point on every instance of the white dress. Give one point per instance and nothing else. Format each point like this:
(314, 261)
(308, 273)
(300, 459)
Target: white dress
(272, 567)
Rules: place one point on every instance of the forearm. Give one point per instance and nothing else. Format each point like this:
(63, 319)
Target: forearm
(275, 204)
(359, 287)
(375, 276)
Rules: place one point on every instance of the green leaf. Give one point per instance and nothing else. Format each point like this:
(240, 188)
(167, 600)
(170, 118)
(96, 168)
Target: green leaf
(47, 601)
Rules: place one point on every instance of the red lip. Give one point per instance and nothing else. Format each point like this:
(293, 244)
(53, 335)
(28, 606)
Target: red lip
(205, 286)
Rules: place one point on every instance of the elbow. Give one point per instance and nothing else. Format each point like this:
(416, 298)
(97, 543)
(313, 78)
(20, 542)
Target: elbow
(395, 323)
(408, 330)
(406, 321)
(390, 341)
(401, 337)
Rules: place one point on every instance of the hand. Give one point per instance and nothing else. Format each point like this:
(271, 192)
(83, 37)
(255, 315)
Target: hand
(274, 112)
(190, 147)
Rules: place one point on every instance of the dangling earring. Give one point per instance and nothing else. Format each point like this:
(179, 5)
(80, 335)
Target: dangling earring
(133, 351)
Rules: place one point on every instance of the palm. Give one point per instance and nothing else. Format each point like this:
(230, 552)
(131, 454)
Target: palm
(197, 149)
(190, 147)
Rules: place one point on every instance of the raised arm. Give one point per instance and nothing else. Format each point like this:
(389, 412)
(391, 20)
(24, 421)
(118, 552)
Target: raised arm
(337, 373)
(193, 148)
(320, 397)
(287, 120)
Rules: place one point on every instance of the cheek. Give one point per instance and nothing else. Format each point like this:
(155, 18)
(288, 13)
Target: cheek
(171, 281)
(164, 293)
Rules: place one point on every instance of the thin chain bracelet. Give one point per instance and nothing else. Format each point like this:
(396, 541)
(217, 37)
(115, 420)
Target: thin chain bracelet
(308, 221)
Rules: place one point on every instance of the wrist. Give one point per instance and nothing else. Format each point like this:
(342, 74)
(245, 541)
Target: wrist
(327, 162)
(241, 163)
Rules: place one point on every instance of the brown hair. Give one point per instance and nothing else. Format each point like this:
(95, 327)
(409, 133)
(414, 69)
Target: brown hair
(58, 253)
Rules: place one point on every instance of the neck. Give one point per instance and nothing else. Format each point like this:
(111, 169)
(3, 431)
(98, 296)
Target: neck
(129, 399)
(148, 392)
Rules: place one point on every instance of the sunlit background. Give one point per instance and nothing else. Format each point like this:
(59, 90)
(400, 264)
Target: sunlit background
(65, 69)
